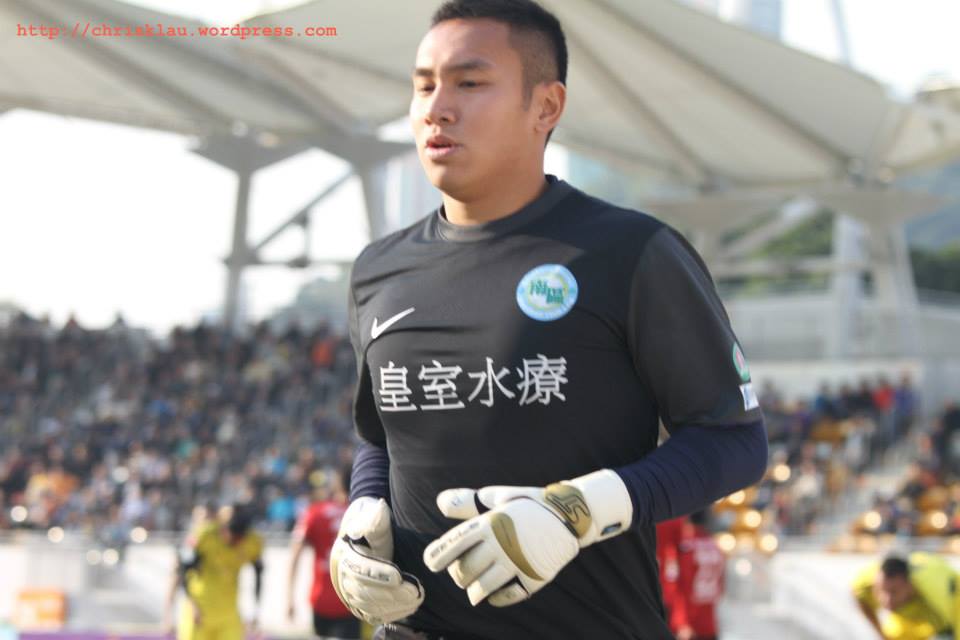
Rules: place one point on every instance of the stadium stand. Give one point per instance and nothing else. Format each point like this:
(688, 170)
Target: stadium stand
(104, 431)
(108, 430)
(926, 505)
(819, 450)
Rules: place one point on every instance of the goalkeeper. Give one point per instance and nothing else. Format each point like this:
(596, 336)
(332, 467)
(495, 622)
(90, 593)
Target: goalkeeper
(517, 349)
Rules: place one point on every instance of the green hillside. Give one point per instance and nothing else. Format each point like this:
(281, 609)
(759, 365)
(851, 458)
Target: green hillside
(935, 268)
(938, 269)
(814, 237)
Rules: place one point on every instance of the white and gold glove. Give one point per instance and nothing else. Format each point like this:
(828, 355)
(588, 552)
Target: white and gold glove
(361, 567)
(516, 539)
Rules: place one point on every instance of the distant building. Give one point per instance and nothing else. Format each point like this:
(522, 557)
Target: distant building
(708, 6)
(8, 312)
(763, 16)
(941, 228)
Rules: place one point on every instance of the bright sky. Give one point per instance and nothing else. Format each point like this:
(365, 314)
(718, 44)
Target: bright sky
(900, 42)
(156, 219)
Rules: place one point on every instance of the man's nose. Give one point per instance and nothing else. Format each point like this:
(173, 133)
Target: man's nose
(440, 106)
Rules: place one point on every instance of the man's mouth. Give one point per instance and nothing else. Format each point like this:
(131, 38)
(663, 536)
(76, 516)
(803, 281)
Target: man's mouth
(439, 147)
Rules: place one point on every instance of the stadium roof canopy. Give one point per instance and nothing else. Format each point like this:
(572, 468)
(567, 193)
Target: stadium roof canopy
(202, 86)
(654, 84)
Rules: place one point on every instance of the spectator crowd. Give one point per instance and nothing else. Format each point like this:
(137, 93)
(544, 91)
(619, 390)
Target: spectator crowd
(107, 430)
(819, 449)
(927, 501)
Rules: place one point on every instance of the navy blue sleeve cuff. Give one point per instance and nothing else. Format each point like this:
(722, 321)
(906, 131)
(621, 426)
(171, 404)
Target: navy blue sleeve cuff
(370, 476)
(693, 468)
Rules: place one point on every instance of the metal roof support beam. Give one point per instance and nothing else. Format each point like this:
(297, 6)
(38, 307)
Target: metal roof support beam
(240, 255)
(302, 215)
(845, 289)
(789, 266)
(759, 236)
(373, 179)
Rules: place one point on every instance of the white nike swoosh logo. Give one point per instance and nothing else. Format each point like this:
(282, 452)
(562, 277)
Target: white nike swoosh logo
(378, 329)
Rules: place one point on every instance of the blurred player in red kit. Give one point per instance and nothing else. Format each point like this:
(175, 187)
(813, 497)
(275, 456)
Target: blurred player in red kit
(317, 528)
(692, 568)
(669, 533)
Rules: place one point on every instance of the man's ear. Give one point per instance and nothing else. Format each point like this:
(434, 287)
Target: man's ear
(549, 99)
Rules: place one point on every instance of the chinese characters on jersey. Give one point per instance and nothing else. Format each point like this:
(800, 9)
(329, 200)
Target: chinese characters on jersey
(537, 380)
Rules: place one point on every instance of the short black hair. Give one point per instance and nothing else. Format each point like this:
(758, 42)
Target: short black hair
(534, 32)
(240, 520)
(895, 567)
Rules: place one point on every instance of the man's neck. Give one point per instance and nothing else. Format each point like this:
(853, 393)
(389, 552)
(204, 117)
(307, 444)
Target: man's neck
(495, 203)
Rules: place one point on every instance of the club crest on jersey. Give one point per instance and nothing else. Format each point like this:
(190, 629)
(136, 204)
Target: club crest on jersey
(547, 292)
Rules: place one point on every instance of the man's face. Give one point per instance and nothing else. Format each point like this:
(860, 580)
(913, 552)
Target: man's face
(893, 592)
(468, 113)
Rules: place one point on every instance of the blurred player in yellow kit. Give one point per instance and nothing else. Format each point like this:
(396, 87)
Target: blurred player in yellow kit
(208, 568)
(920, 594)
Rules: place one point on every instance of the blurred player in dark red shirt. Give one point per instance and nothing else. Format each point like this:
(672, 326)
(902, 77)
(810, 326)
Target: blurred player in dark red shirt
(698, 584)
(317, 528)
(668, 541)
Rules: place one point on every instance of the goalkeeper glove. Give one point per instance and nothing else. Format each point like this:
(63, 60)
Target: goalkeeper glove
(516, 539)
(361, 567)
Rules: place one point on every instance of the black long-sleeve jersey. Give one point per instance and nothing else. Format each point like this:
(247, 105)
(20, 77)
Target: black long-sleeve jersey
(531, 349)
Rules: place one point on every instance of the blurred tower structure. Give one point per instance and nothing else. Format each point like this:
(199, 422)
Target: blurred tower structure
(763, 16)
(707, 6)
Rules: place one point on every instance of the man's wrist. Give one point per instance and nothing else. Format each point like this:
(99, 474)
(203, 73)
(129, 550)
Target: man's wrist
(369, 519)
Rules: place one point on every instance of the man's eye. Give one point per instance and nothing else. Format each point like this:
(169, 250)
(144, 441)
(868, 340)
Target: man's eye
(469, 84)
(424, 88)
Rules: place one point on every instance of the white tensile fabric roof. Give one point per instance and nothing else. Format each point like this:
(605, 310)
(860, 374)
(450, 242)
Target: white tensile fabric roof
(191, 85)
(651, 83)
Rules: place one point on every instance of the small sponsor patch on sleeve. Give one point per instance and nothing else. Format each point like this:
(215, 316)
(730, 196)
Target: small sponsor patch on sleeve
(740, 363)
(750, 400)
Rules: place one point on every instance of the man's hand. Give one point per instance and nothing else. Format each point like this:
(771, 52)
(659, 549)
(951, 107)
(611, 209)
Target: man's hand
(361, 567)
(516, 539)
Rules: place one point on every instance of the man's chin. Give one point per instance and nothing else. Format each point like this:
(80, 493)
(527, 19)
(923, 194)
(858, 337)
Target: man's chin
(448, 180)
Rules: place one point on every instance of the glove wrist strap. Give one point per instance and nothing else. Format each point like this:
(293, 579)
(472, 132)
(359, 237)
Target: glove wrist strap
(609, 508)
